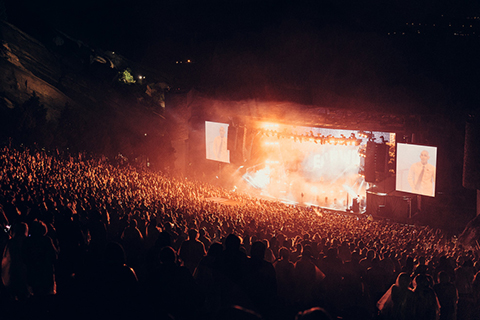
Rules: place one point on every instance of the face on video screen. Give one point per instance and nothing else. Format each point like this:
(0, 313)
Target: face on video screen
(416, 169)
(216, 138)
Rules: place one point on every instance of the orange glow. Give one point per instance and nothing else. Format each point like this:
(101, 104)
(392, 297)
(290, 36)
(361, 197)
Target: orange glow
(305, 172)
(269, 125)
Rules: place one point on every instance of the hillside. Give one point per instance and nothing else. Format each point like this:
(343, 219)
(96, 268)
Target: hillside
(63, 93)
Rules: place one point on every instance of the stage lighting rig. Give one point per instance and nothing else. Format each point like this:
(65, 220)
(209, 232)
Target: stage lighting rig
(367, 135)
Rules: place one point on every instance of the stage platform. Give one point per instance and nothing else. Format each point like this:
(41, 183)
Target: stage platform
(319, 210)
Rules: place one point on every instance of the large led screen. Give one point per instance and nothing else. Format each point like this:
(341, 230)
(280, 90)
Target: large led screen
(216, 137)
(416, 169)
(317, 166)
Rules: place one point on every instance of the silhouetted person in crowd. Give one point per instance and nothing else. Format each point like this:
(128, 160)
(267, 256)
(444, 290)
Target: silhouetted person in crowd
(409, 265)
(203, 237)
(3, 217)
(237, 313)
(425, 305)
(366, 262)
(152, 233)
(232, 260)
(40, 256)
(71, 247)
(445, 265)
(296, 253)
(260, 280)
(332, 267)
(14, 270)
(232, 264)
(463, 282)
(98, 235)
(353, 293)
(447, 296)
(132, 240)
(164, 240)
(308, 280)
(313, 314)
(172, 288)
(192, 251)
(476, 296)
(168, 228)
(111, 288)
(344, 252)
(285, 272)
(206, 275)
(376, 281)
(395, 303)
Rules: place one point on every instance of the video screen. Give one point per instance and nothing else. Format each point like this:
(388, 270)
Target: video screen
(416, 169)
(316, 166)
(216, 138)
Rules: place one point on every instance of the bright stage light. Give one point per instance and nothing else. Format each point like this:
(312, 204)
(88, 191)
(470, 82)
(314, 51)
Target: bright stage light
(269, 125)
(315, 172)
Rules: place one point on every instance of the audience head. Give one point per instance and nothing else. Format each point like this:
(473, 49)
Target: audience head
(37, 228)
(133, 223)
(258, 250)
(284, 253)
(313, 314)
(403, 280)
(114, 254)
(20, 229)
(232, 242)
(215, 249)
(167, 255)
(443, 277)
(422, 281)
(237, 313)
(192, 234)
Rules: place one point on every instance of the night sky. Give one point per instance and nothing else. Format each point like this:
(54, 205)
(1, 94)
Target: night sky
(143, 21)
(270, 35)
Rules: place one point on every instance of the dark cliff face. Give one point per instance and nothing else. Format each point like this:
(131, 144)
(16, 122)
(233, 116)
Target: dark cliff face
(27, 67)
(62, 70)
(63, 93)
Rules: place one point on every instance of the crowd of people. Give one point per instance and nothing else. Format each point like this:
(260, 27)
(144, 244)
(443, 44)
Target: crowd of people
(83, 237)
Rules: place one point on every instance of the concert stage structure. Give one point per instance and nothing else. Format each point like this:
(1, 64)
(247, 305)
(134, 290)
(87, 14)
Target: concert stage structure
(336, 159)
(325, 167)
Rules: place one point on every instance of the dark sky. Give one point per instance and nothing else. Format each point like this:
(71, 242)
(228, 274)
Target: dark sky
(123, 23)
(266, 35)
